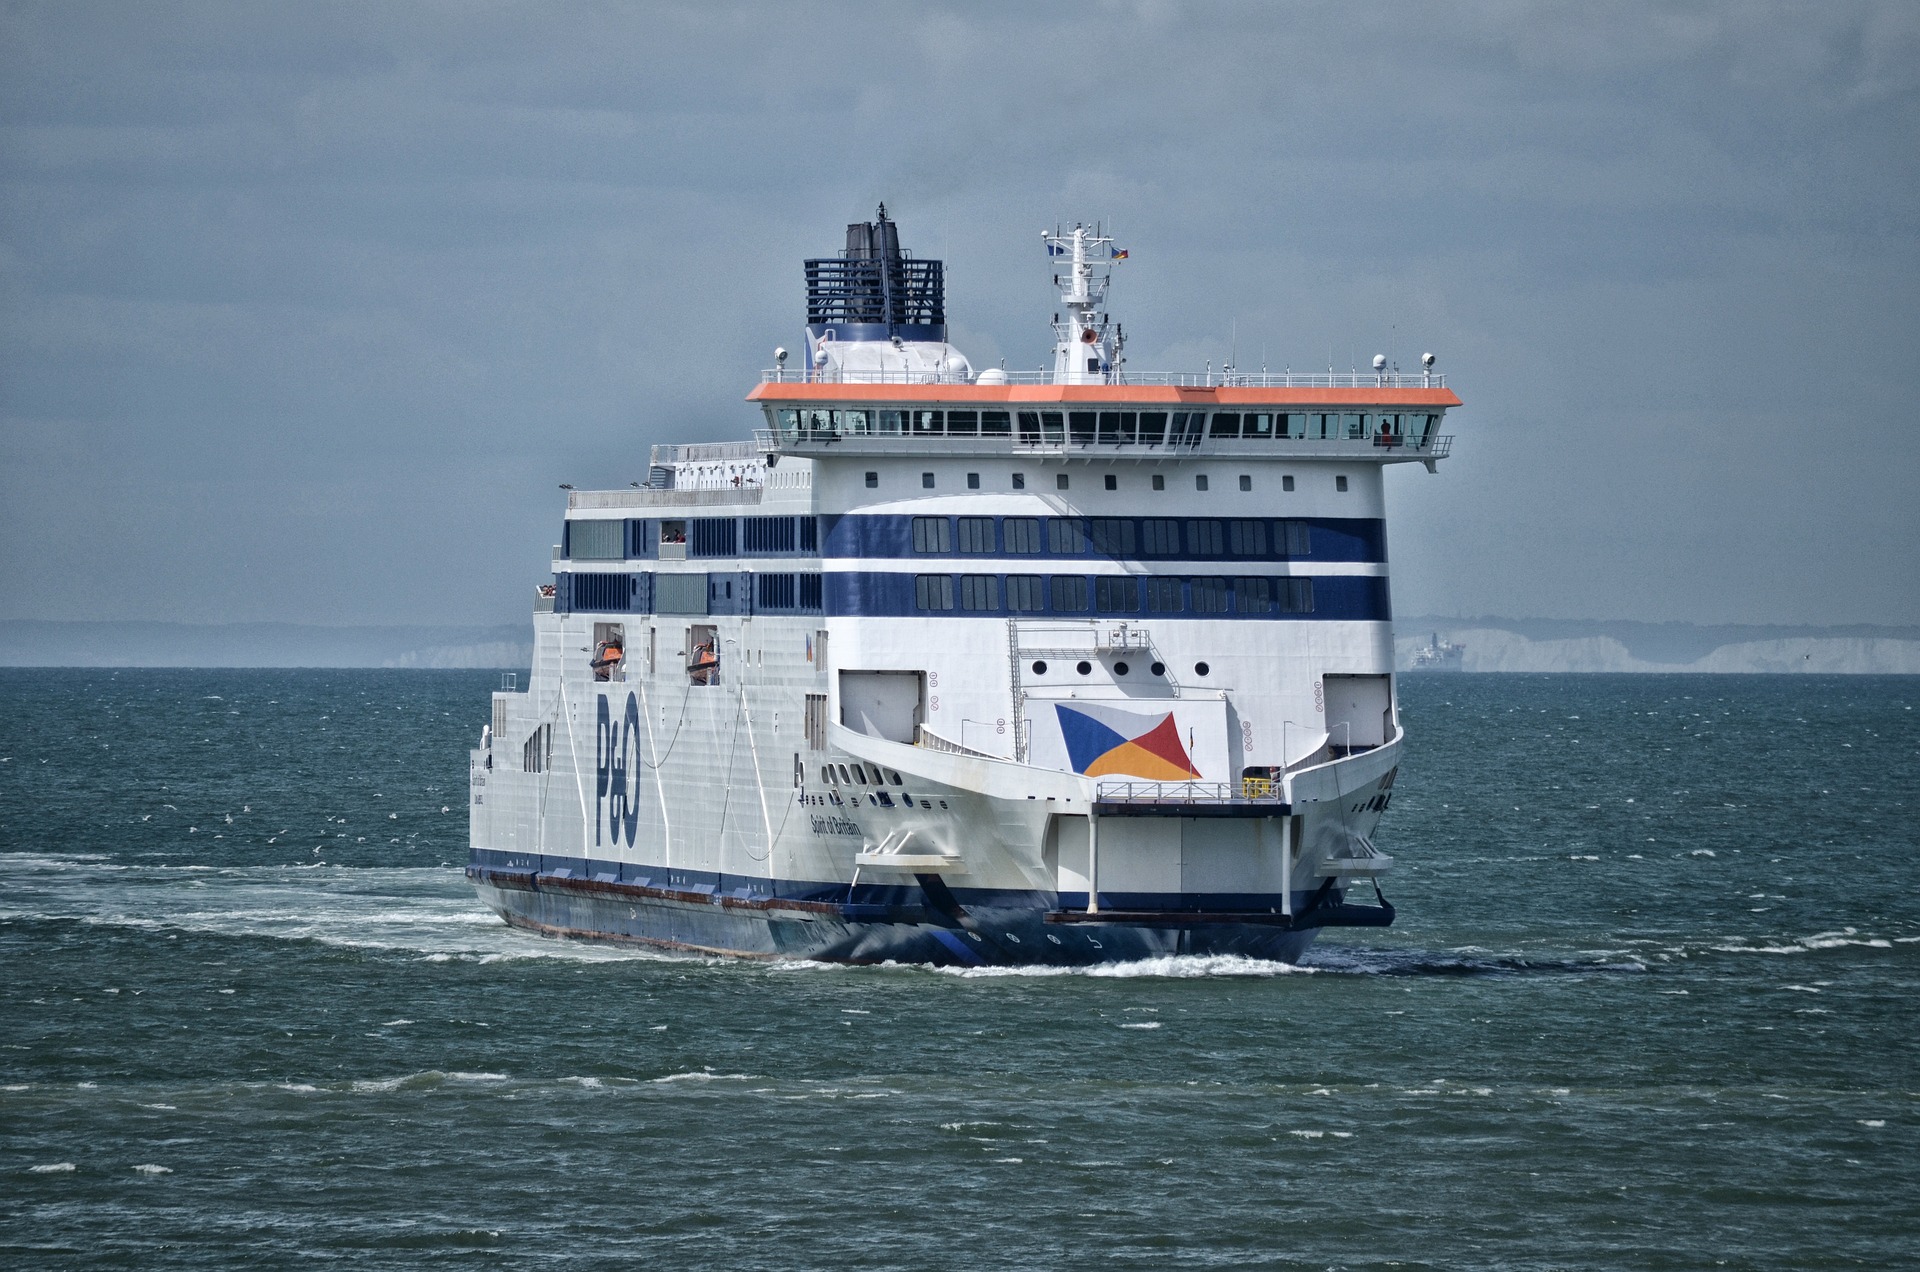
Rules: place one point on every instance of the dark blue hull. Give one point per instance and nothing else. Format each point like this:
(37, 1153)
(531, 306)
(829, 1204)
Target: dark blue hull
(923, 924)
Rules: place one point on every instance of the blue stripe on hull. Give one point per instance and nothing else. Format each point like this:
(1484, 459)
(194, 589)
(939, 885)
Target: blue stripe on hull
(996, 935)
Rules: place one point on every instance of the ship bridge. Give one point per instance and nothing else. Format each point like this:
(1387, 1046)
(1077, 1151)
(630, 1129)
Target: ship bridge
(1386, 417)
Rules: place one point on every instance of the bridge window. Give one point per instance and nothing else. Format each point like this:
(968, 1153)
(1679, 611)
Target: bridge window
(932, 534)
(963, 423)
(1259, 424)
(1153, 427)
(893, 422)
(995, 424)
(1022, 534)
(1080, 426)
(1225, 424)
(1024, 595)
(928, 423)
(1069, 593)
(933, 592)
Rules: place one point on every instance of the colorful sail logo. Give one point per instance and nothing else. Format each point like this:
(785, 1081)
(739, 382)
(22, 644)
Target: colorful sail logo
(1103, 742)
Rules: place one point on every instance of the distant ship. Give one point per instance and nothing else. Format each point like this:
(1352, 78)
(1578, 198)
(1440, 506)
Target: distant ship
(964, 666)
(1439, 655)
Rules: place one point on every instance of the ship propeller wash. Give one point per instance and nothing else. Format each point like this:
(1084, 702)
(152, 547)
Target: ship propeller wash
(964, 666)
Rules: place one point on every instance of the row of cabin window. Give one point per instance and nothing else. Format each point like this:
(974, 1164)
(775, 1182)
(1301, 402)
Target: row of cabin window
(1117, 428)
(1111, 480)
(640, 592)
(1110, 594)
(601, 540)
(1113, 536)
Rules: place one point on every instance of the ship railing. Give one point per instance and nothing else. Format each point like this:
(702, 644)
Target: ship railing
(666, 453)
(1249, 790)
(1063, 639)
(1228, 379)
(653, 497)
(923, 736)
(1406, 446)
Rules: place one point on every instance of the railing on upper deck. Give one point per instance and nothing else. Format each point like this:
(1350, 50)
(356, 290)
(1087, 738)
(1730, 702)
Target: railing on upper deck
(1433, 446)
(1224, 379)
(1247, 791)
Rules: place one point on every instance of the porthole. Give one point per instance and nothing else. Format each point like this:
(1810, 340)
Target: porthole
(1040, 667)
(1084, 668)
(1158, 669)
(1201, 669)
(874, 800)
(1119, 669)
(943, 803)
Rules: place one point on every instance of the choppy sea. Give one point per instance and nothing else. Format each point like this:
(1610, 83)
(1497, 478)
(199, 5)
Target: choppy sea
(1650, 1003)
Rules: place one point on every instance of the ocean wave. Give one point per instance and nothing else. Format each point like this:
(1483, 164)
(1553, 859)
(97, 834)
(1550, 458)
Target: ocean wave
(1465, 961)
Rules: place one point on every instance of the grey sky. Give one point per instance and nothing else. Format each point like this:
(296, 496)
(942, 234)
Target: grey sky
(306, 309)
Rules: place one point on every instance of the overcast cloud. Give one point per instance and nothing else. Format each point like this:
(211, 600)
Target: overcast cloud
(306, 309)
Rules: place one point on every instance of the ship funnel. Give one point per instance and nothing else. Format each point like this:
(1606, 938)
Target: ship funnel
(875, 291)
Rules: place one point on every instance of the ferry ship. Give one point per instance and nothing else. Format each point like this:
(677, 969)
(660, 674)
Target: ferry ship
(969, 667)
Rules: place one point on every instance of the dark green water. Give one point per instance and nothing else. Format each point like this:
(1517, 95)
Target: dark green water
(1649, 1005)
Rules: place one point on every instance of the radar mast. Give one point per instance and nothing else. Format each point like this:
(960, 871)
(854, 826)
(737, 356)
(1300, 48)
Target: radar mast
(1086, 340)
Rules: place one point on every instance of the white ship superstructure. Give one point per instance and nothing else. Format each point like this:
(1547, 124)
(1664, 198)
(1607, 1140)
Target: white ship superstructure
(968, 667)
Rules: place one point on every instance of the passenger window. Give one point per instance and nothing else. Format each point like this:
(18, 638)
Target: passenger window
(1205, 539)
(933, 592)
(976, 534)
(1116, 595)
(1069, 593)
(934, 534)
(979, 592)
(1022, 534)
(1066, 536)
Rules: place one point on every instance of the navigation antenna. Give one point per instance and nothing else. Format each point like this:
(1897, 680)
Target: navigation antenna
(1086, 340)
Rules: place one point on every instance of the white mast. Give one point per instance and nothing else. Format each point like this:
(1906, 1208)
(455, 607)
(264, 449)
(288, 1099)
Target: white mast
(1086, 342)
